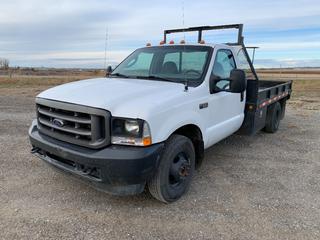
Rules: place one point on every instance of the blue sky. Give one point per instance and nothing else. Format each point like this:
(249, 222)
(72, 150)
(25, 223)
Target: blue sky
(71, 33)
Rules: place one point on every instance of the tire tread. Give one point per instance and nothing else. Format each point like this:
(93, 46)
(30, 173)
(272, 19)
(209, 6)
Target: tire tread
(154, 185)
(269, 128)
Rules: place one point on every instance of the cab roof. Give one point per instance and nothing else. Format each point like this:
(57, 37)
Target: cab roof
(212, 45)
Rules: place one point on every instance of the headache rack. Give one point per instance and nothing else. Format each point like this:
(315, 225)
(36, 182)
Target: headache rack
(239, 42)
(76, 124)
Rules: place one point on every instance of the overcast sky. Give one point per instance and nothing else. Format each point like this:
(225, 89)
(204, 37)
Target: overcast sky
(55, 33)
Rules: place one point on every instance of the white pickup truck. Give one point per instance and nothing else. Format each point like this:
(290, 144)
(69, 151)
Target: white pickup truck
(149, 121)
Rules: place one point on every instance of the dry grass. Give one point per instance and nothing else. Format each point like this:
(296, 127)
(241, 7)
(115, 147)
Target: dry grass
(306, 86)
(51, 77)
(305, 81)
(289, 74)
(33, 81)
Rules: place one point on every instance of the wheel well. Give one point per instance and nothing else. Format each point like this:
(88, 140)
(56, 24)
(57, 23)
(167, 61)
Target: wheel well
(193, 132)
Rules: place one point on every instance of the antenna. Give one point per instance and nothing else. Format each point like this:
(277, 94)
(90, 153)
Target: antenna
(186, 83)
(184, 34)
(105, 49)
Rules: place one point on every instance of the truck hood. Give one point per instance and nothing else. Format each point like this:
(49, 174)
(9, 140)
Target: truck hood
(121, 96)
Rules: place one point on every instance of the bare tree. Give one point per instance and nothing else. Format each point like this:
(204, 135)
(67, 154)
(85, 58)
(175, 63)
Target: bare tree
(4, 63)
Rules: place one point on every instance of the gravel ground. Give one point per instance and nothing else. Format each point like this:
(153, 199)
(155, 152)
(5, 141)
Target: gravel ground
(261, 187)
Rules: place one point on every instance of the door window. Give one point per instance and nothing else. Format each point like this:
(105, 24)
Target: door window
(244, 65)
(223, 65)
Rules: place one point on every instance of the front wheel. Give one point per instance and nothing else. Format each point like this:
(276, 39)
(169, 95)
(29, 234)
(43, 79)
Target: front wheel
(175, 171)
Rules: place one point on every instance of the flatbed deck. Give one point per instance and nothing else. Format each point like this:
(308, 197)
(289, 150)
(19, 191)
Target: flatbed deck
(261, 94)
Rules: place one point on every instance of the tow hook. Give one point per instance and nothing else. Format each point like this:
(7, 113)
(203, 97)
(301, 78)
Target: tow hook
(35, 150)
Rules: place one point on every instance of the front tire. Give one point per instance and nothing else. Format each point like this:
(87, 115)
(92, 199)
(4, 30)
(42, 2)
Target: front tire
(175, 171)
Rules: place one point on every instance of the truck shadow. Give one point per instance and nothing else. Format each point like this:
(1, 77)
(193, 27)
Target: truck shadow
(217, 158)
(225, 167)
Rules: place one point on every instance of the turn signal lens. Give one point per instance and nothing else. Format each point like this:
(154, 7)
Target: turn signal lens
(146, 141)
(146, 136)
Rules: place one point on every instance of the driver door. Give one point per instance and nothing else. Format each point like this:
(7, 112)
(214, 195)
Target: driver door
(226, 109)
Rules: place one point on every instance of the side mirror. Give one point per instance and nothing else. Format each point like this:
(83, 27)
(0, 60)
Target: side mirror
(238, 82)
(108, 71)
(212, 83)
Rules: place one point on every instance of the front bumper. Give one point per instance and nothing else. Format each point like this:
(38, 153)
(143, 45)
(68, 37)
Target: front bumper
(120, 170)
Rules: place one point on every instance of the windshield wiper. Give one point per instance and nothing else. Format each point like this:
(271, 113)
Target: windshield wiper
(152, 77)
(119, 75)
(157, 78)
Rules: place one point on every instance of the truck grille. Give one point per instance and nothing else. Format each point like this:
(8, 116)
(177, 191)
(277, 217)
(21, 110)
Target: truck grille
(80, 125)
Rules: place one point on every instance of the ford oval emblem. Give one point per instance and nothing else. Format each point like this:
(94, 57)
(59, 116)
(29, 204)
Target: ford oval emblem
(58, 122)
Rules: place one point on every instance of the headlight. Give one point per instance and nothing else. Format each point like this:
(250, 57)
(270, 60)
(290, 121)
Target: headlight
(132, 126)
(134, 132)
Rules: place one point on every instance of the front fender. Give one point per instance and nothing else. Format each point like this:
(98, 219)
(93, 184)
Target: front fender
(163, 127)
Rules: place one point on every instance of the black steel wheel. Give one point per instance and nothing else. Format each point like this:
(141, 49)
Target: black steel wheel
(176, 168)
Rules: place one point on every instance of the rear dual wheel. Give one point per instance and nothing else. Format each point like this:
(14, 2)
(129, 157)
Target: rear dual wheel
(175, 171)
(273, 118)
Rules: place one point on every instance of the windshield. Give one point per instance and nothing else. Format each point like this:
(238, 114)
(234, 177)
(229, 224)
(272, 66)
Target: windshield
(172, 63)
